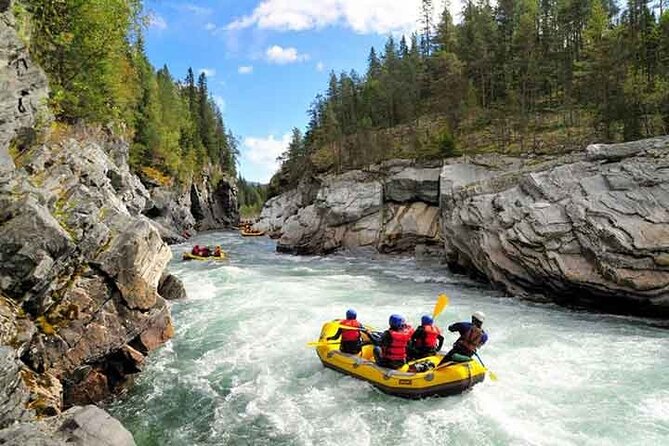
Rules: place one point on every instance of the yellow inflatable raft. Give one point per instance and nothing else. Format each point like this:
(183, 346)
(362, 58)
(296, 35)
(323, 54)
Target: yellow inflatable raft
(448, 379)
(251, 233)
(190, 256)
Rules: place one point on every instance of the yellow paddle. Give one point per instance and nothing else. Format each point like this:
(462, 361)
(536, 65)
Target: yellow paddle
(442, 302)
(493, 377)
(320, 343)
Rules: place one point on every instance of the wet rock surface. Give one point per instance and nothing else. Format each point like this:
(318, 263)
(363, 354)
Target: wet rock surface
(87, 426)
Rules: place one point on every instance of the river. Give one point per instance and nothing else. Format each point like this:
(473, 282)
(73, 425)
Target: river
(238, 371)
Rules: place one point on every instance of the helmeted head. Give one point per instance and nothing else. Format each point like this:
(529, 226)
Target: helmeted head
(351, 314)
(478, 317)
(396, 321)
(197, 247)
(426, 320)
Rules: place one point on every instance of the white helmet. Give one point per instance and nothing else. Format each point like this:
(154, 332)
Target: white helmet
(479, 316)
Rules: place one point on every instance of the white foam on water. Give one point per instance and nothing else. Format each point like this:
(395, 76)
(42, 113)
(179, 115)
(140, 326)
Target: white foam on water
(238, 370)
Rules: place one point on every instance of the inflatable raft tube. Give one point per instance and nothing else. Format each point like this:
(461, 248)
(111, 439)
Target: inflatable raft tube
(449, 379)
(190, 256)
(251, 234)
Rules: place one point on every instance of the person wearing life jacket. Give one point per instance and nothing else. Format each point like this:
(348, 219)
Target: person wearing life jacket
(392, 351)
(471, 337)
(426, 340)
(217, 251)
(196, 250)
(205, 251)
(351, 341)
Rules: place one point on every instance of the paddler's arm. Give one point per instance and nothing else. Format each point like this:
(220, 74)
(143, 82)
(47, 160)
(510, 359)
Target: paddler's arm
(335, 336)
(440, 340)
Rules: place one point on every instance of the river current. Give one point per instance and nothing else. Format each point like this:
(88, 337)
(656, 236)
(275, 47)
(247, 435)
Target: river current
(238, 371)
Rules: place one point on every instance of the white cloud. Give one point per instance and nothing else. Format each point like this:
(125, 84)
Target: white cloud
(210, 26)
(193, 9)
(156, 21)
(362, 16)
(261, 154)
(245, 69)
(320, 66)
(280, 55)
(209, 72)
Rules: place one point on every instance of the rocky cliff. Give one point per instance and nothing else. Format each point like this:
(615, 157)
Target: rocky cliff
(589, 228)
(200, 205)
(392, 207)
(81, 265)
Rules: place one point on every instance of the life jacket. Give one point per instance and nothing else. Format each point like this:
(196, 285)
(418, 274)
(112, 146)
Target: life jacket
(350, 335)
(430, 336)
(471, 340)
(397, 350)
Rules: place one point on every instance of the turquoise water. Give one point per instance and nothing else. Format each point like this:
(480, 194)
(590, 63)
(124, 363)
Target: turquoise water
(238, 371)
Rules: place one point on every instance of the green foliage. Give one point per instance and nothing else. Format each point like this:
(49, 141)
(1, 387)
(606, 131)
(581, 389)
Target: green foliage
(93, 52)
(251, 197)
(515, 76)
(445, 143)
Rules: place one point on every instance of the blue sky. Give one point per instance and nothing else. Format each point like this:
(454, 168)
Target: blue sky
(266, 60)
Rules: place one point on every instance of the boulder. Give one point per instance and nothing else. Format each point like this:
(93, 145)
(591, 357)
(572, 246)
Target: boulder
(32, 246)
(303, 232)
(171, 287)
(85, 426)
(135, 260)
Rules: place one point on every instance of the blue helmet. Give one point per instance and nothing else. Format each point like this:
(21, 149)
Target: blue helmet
(426, 320)
(396, 321)
(351, 314)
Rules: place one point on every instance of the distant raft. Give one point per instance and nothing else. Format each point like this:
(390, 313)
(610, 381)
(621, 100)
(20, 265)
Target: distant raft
(191, 256)
(451, 378)
(251, 233)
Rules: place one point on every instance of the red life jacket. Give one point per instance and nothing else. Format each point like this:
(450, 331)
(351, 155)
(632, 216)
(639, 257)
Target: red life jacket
(397, 350)
(471, 340)
(350, 335)
(430, 337)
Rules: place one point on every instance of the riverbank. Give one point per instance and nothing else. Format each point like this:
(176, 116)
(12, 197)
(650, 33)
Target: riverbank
(588, 229)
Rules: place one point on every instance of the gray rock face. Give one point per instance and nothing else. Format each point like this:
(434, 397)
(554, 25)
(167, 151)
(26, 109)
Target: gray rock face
(214, 208)
(279, 209)
(413, 184)
(590, 230)
(14, 395)
(23, 90)
(84, 264)
(171, 287)
(85, 426)
(386, 208)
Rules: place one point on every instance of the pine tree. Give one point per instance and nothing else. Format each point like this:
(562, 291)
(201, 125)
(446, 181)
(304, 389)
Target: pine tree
(427, 22)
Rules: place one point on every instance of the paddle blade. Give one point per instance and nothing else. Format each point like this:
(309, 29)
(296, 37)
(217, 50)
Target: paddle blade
(442, 302)
(493, 377)
(320, 343)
